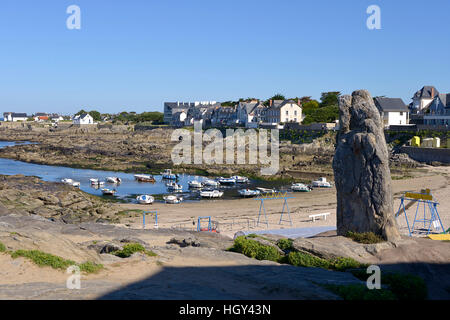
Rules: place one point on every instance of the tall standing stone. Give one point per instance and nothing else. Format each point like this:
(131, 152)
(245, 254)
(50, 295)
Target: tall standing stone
(361, 170)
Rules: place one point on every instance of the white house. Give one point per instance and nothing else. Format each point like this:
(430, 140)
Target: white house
(280, 111)
(393, 111)
(423, 98)
(14, 117)
(83, 119)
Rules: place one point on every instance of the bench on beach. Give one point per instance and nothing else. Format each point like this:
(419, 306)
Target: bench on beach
(319, 215)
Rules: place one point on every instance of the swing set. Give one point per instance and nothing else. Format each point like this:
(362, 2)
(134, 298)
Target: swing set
(430, 213)
(274, 196)
(153, 214)
(210, 227)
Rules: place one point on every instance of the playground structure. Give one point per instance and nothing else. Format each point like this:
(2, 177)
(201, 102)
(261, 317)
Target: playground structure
(274, 196)
(430, 213)
(211, 226)
(153, 214)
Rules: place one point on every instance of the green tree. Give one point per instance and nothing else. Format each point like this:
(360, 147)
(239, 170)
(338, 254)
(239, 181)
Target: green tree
(82, 111)
(329, 98)
(310, 105)
(278, 96)
(95, 115)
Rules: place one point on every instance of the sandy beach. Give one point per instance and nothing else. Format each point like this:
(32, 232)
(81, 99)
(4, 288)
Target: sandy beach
(242, 214)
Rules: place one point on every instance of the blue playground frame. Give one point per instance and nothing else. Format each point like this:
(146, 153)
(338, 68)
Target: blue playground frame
(278, 196)
(210, 224)
(432, 209)
(155, 213)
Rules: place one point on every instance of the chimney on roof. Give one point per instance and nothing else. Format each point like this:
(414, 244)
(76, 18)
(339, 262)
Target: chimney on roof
(298, 102)
(432, 92)
(270, 102)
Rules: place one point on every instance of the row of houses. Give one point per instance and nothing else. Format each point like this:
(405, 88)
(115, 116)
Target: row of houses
(38, 117)
(428, 107)
(45, 117)
(249, 114)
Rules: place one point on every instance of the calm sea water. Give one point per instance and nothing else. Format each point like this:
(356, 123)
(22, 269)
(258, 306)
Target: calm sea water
(127, 190)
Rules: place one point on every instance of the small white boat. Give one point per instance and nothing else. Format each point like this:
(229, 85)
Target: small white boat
(226, 181)
(210, 183)
(96, 181)
(145, 199)
(173, 186)
(211, 194)
(321, 183)
(108, 192)
(167, 174)
(249, 193)
(115, 180)
(266, 190)
(144, 178)
(195, 184)
(70, 182)
(240, 179)
(172, 199)
(300, 187)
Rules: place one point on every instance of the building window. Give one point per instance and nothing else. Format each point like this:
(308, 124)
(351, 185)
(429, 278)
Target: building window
(401, 113)
(295, 112)
(287, 112)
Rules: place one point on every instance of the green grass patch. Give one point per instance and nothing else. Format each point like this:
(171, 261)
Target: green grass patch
(254, 249)
(131, 248)
(90, 267)
(285, 244)
(43, 259)
(2, 247)
(303, 259)
(365, 237)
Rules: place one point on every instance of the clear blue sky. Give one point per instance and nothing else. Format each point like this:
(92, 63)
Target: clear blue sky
(134, 55)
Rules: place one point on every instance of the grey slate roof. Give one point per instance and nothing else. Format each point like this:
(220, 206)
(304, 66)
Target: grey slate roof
(249, 106)
(19, 115)
(390, 104)
(426, 93)
(280, 103)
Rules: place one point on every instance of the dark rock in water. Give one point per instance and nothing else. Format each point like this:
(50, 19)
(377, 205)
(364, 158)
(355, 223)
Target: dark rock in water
(361, 170)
